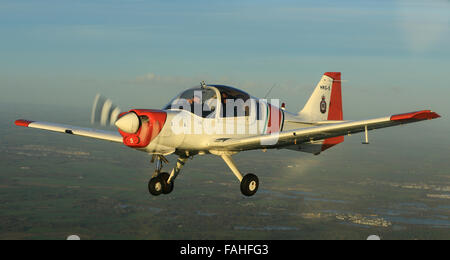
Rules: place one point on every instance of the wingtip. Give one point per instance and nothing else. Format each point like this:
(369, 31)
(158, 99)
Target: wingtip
(22, 122)
(419, 115)
(436, 115)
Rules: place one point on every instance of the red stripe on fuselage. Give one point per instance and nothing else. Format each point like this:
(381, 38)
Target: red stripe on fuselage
(274, 123)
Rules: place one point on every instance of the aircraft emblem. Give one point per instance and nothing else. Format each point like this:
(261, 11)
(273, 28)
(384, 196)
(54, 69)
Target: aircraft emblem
(323, 105)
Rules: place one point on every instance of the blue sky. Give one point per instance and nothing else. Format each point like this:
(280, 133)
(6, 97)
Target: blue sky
(393, 54)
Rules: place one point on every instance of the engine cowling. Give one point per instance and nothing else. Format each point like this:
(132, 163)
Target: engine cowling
(139, 127)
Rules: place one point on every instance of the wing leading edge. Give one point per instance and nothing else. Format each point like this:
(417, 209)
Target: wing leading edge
(311, 134)
(72, 130)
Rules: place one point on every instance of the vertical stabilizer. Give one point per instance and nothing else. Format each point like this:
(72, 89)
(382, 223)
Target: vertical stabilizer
(325, 102)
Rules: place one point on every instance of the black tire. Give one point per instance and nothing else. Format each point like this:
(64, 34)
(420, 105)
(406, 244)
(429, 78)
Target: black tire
(155, 186)
(249, 185)
(166, 188)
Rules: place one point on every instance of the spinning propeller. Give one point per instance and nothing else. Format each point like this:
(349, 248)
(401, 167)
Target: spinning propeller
(106, 113)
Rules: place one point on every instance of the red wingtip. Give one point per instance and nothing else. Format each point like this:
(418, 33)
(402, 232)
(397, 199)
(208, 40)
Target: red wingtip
(435, 115)
(22, 122)
(419, 115)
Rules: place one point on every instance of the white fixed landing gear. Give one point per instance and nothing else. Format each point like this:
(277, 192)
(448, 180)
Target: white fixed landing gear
(249, 183)
(158, 183)
(163, 182)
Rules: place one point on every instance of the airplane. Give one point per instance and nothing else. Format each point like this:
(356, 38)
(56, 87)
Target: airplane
(223, 121)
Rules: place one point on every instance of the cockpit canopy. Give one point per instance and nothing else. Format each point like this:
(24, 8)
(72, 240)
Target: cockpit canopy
(212, 100)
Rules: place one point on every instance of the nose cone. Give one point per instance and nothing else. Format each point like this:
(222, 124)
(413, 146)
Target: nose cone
(129, 123)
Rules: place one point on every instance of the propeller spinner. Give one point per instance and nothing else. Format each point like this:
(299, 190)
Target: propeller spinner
(129, 123)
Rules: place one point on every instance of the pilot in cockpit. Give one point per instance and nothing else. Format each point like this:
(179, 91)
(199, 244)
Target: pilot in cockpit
(225, 100)
(225, 97)
(195, 100)
(196, 105)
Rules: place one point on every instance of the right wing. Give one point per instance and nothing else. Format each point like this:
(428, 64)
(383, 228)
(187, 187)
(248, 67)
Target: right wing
(72, 130)
(311, 134)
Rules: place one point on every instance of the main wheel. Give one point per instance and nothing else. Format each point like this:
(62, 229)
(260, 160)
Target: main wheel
(155, 185)
(249, 185)
(166, 188)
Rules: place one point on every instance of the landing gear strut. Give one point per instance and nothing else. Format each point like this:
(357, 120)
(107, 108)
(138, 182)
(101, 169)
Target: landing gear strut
(163, 182)
(249, 183)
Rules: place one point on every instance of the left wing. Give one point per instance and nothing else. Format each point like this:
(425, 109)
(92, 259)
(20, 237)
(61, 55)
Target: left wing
(72, 130)
(310, 134)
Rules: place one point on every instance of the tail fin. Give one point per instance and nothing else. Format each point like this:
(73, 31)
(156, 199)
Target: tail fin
(325, 102)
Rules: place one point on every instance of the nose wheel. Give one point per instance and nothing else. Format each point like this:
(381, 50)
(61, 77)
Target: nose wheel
(163, 182)
(155, 186)
(158, 185)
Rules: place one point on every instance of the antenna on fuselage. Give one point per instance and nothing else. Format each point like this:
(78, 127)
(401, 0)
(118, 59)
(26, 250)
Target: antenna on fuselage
(270, 91)
(203, 84)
